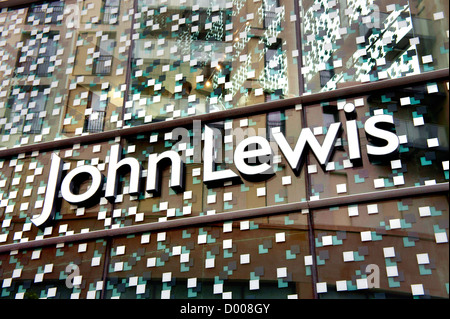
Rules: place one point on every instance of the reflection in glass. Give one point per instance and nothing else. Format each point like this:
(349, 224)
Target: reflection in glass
(350, 42)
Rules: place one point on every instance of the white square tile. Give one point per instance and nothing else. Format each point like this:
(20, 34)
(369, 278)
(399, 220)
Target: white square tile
(245, 259)
(282, 272)
(261, 191)
(395, 223)
(424, 211)
(372, 209)
(348, 256)
(341, 285)
(362, 283)
(366, 236)
(227, 244)
(327, 240)
(280, 237)
(321, 287)
(286, 180)
(389, 252)
(392, 271)
(441, 237)
(353, 211)
(192, 282)
(209, 263)
(254, 284)
(423, 259)
(341, 188)
(417, 290)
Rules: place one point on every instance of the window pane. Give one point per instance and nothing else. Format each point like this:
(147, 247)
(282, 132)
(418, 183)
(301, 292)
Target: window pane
(64, 271)
(351, 42)
(420, 116)
(388, 249)
(215, 261)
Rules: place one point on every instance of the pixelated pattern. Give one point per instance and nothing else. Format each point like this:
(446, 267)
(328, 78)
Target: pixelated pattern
(82, 67)
(362, 41)
(64, 271)
(225, 260)
(419, 123)
(399, 248)
(208, 57)
(23, 186)
(25, 179)
(75, 68)
(422, 160)
(60, 71)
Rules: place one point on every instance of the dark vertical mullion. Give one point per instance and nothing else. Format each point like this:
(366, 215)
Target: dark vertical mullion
(301, 88)
(129, 62)
(122, 140)
(298, 32)
(106, 265)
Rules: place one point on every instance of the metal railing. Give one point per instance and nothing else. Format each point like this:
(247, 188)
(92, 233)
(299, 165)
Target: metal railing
(110, 14)
(96, 123)
(101, 65)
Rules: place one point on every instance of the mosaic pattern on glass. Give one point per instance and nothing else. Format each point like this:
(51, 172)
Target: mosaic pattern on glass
(226, 260)
(360, 41)
(64, 271)
(392, 249)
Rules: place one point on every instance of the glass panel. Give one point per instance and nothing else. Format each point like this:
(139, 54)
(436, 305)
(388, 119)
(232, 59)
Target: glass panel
(25, 178)
(65, 48)
(199, 198)
(387, 249)
(73, 68)
(420, 116)
(64, 271)
(350, 42)
(198, 57)
(225, 260)
(209, 56)
(24, 184)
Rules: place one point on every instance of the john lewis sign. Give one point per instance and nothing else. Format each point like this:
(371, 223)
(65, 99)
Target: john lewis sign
(252, 158)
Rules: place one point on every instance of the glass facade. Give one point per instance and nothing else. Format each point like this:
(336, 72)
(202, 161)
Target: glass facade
(350, 42)
(120, 120)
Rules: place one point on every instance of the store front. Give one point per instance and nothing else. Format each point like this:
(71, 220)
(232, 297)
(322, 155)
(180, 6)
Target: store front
(224, 149)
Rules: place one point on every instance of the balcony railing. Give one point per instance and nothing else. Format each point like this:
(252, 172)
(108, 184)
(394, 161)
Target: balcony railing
(95, 122)
(110, 14)
(102, 65)
(36, 124)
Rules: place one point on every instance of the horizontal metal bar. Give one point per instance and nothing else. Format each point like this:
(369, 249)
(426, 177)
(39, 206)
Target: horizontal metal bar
(378, 195)
(360, 89)
(240, 214)
(15, 3)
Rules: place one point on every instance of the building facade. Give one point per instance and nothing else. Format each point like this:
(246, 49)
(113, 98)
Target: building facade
(227, 149)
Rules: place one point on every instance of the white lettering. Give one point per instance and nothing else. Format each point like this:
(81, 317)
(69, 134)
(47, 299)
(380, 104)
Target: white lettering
(253, 158)
(241, 154)
(74, 177)
(153, 172)
(379, 133)
(115, 166)
(210, 175)
(322, 152)
(53, 184)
